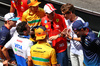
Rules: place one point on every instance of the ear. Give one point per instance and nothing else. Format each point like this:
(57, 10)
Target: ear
(8, 22)
(71, 13)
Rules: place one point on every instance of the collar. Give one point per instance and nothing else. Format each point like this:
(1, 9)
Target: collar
(75, 19)
(87, 32)
(7, 27)
(23, 36)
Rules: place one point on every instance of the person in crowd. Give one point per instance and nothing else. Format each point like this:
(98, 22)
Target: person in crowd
(20, 6)
(21, 46)
(76, 52)
(10, 21)
(33, 16)
(55, 24)
(89, 41)
(42, 53)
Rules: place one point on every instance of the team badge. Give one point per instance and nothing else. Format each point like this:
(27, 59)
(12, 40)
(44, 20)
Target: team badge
(21, 3)
(45, 21)
(57, 20)
(46, 26)
(13, 1)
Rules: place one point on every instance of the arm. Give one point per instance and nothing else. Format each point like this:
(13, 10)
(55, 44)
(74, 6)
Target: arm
(77, 39)
(53, 58)
(24, 16)
(54, 64)
(1, 54)
(12, 9)
(5, 52)
(30, 63)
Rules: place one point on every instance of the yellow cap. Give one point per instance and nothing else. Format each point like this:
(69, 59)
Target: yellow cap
(40, 33)
(34, 3)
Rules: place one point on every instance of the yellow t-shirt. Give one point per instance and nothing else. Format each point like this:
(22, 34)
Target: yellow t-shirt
(42, 54)
(33, 19)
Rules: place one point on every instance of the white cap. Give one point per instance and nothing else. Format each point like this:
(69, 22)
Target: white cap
(10, 16)
(48, 8)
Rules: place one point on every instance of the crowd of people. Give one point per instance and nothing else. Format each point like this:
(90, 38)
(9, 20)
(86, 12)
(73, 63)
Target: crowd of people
(39, 36)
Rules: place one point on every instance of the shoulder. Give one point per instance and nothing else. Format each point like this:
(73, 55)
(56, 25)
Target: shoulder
(26, 12)
(79, 18)
(91, 36)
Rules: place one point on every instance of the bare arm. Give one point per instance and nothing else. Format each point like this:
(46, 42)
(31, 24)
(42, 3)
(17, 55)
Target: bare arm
(30, 63)
(1, 54)
(5, 52)
(77, 39)
(12, 9)
(54, 64)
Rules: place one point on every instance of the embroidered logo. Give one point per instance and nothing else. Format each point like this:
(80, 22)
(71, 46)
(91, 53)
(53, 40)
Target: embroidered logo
(21, 3)
(57, 20)
(45, 21)
(46, 26)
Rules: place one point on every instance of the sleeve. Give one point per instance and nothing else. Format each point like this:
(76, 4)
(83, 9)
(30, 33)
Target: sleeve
(3, 38)
(63, 23)
(53, 57)
(12, 4)
(29, 47)
(8, 44)
(24, 16)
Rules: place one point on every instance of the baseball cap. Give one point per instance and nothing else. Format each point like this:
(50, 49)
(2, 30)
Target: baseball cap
(33, 3)
(40, 33)
(77, 25)
(10, 16)
(48, 8)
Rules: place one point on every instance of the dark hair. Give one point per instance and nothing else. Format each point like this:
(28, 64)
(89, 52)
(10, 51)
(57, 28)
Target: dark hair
(21, 27)
(67, 8)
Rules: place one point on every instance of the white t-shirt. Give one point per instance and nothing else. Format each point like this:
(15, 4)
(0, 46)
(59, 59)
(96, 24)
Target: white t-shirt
(21, 47)
(75, 46)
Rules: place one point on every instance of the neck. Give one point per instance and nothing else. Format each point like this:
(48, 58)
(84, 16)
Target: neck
(8, 26)
(41, 41)
(73, 17)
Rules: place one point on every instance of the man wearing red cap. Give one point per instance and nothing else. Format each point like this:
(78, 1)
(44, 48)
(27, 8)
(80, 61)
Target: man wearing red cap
(55, 24)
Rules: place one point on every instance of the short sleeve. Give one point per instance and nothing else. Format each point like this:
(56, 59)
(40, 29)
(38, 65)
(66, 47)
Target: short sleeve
(24, 16)
(29, 47)
(53, 57)
(8, 44)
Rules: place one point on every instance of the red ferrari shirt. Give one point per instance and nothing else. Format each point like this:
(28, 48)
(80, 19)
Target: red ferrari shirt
(59, 44)
(21, 6)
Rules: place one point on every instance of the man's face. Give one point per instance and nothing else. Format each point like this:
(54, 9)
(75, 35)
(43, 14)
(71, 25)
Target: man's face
(34, 8)
(51, 15)
(12, 23)
(66, 15)
(78, 32)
